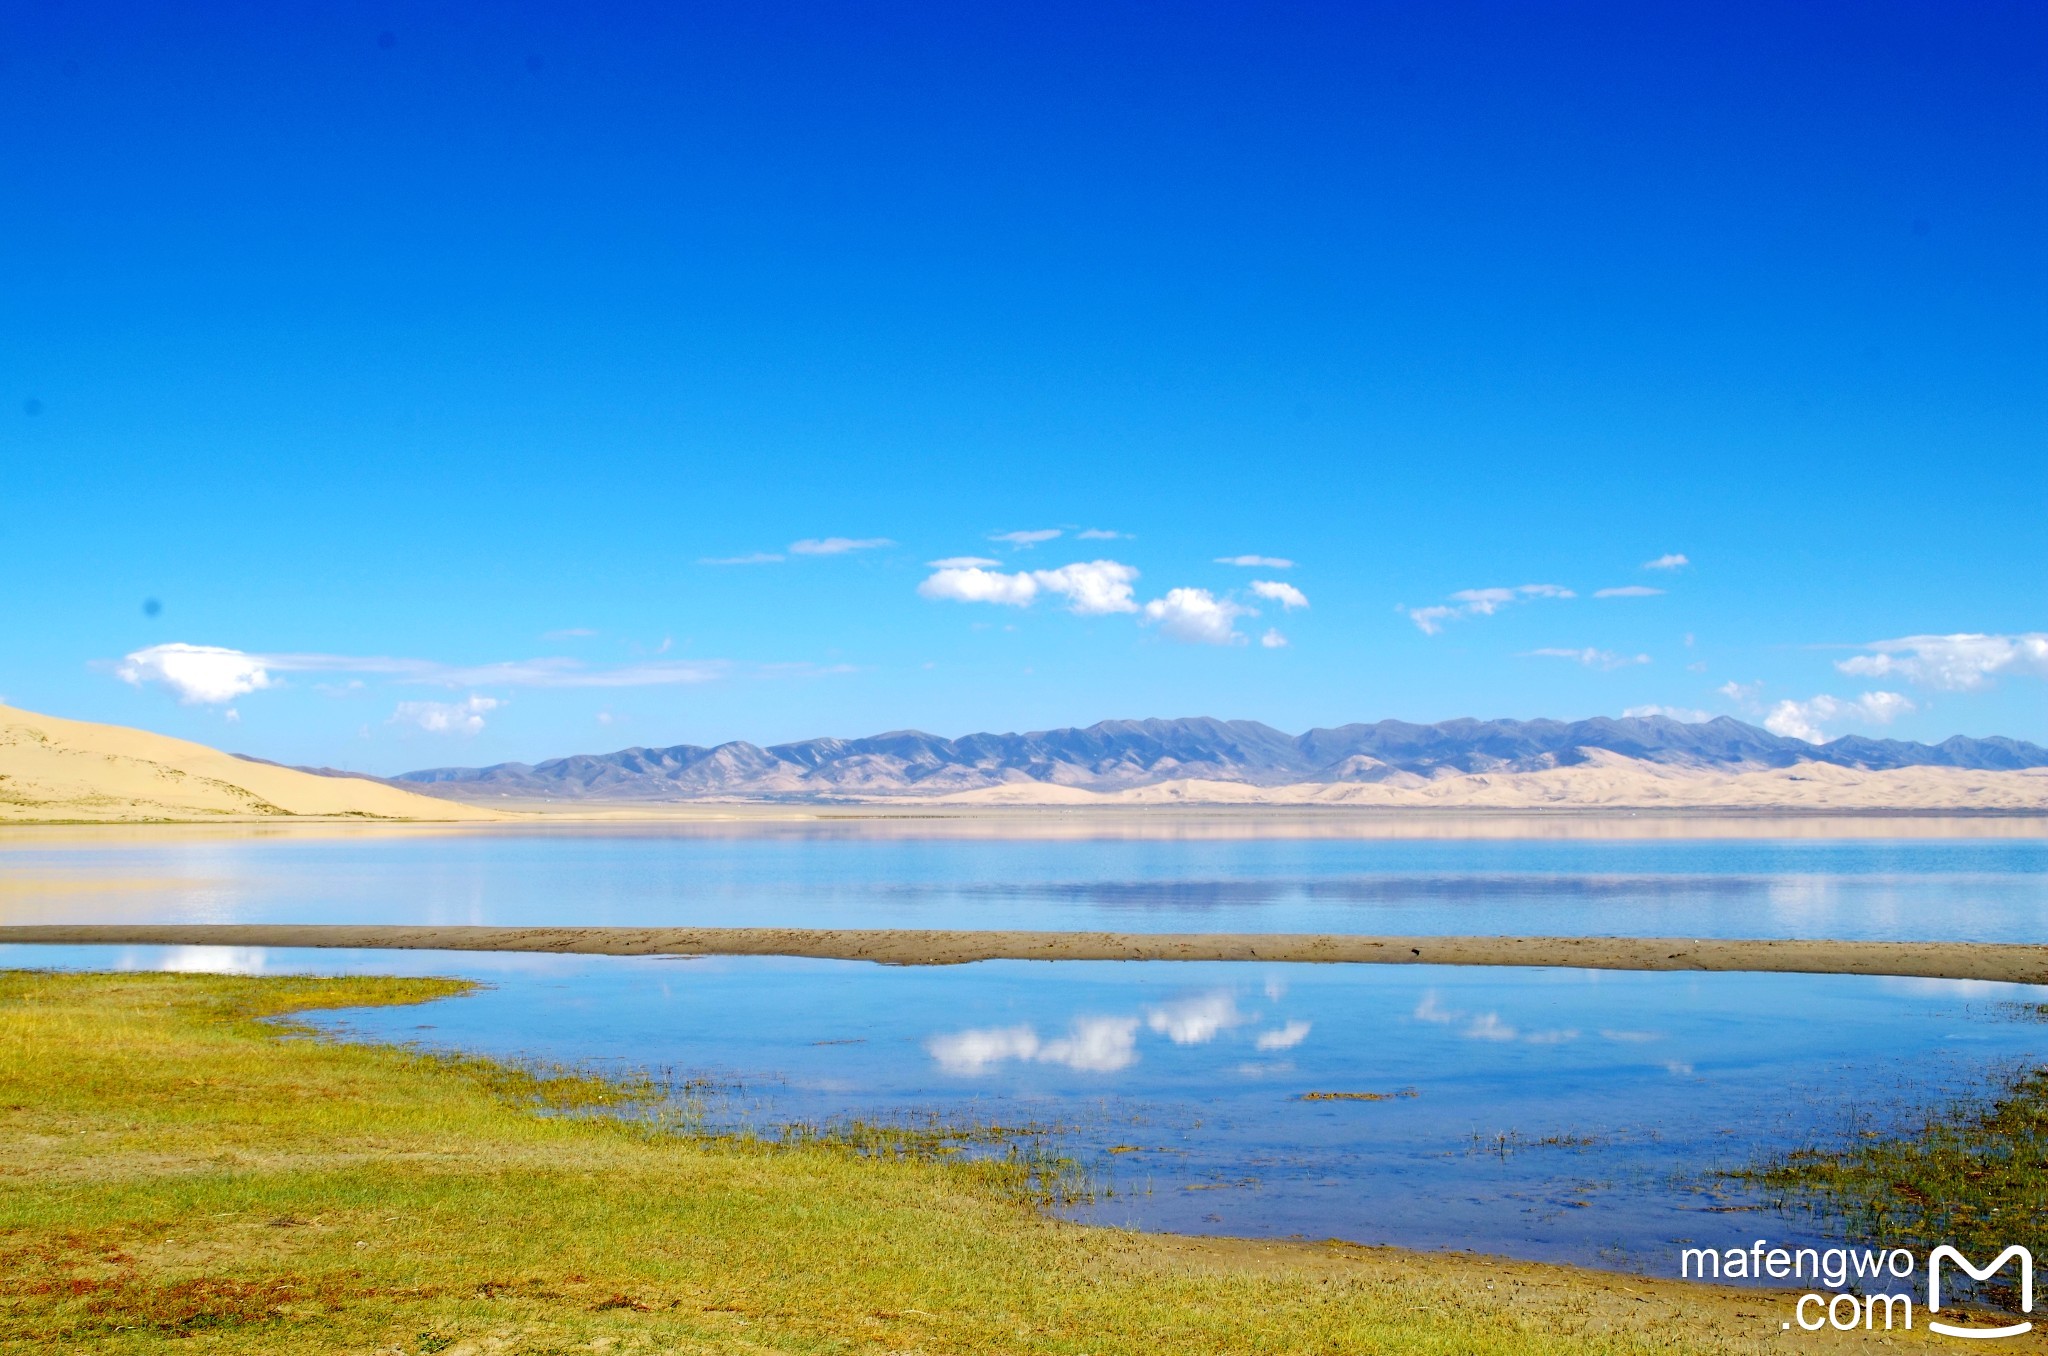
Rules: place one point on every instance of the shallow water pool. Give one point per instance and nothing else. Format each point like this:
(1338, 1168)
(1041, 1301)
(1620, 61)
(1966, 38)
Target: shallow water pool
(1567, 1115)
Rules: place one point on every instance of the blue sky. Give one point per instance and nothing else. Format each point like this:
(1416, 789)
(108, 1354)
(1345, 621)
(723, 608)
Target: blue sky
(422, 357)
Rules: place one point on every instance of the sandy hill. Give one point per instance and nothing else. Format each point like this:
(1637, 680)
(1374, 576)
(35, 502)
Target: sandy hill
(69, 770)
(1603, 781)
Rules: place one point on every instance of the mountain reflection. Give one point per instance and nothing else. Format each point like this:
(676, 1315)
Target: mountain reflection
(1198, 895)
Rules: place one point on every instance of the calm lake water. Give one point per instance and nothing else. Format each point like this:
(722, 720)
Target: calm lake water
(1554, 1114)
(902, 874)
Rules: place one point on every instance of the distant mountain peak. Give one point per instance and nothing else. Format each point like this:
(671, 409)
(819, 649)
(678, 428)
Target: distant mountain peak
(1120, 754)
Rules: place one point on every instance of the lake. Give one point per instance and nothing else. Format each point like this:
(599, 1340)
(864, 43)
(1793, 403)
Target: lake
(1547, 1113)
(1163, 874)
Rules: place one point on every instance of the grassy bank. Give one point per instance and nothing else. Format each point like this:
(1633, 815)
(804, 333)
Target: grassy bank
(1974, 1174)
(177, 1174)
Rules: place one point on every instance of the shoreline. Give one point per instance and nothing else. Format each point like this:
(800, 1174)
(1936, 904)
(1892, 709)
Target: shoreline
(404, 1201)
(2013, 963)
(1068, 823)
(481, 813)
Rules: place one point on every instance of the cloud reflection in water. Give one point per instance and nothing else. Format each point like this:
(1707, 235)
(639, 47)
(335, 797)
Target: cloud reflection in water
(1486, 1026)
(1286, 1038)
(1196, 1021)
(1091, 1045)
(1102, 1044)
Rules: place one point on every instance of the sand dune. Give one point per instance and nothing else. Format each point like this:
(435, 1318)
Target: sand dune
(1607, 781)
(68, 770)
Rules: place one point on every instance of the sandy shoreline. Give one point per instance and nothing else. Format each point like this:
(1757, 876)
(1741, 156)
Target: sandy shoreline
(1128, 823)
(2024, 964)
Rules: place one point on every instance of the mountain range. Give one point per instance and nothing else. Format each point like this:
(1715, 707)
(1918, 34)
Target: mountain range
(1119, 755)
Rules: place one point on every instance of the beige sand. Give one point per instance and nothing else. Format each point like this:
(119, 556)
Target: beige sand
(1606, 781)
(65, 771)
(53, 769)
(1925, 960)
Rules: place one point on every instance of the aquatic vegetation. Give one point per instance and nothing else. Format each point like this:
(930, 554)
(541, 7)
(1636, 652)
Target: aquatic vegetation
(177, 1173)
(1971, 1173)
(1502, 1143)
(1022, 1160)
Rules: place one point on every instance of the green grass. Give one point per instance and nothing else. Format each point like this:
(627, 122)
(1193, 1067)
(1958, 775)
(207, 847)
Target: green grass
(1972, 1174)
(177, 1174)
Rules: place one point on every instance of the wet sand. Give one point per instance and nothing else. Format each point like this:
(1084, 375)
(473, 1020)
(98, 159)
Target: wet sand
(1923, 960)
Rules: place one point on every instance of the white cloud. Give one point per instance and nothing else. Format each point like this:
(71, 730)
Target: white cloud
(1195, 1021)
(1684, 714)
(197, 673)
(552, 672)
(1092, 1045)
(1431, 619)
(228, 673)
(1958, 663)
(1593, 659)
(1670, 562)
(1803, 720)
(1286, 1038)
(463, 717)
(1286, 595)
(1092, 589)
(962, 563)
(569, 673)
(1029, 538)
(1273, 640)
(1479, 603)
(1197, 617)
(1741, 693)
(836, 546)
(1257, 562)
(1629, 591)
(751, 558)
(1484, 602)
(1491, 596)
(1101, 534)
(973, 584)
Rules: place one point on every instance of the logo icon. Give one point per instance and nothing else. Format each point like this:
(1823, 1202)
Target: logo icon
(1934, 1260)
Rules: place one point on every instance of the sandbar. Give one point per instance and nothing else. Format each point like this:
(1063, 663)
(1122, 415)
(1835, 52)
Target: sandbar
(2002, 962)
